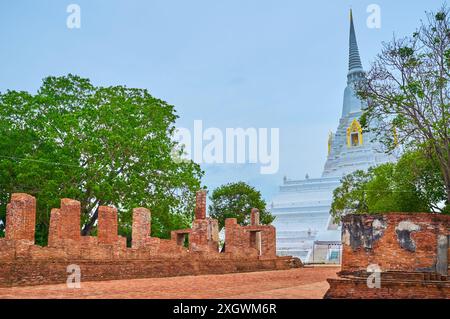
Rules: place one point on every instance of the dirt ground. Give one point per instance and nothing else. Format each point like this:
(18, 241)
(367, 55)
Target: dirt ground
(308, 282)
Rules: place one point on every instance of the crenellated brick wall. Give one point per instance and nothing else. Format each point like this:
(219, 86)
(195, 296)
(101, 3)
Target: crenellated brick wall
(106, 256)
(410, 251)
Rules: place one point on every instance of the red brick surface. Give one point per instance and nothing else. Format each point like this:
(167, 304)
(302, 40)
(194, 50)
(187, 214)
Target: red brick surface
(141, 227)
(204, 236)
(254, 217)
(70, 219)
(295, 283)
(21, 218)
(200, 205)
(54, 230)
(107, 225)
(387, 251)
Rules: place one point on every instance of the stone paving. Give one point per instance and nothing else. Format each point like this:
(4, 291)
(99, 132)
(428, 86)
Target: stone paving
(308, 282)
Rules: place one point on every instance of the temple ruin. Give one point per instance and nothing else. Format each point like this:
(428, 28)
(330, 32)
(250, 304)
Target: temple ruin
(106, 256)
(395, 255)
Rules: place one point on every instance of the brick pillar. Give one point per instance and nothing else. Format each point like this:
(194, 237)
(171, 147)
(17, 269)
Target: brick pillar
(200, 205)
(70, 219)
(268, 242)
(230, 235)
(256, 237)
(107, 225)
(21, 218)
(141, 227)
(254, 217)
(54, 230)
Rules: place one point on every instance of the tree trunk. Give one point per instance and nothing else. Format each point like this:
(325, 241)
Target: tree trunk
(88, 227)
(447, 186)
(448, 197)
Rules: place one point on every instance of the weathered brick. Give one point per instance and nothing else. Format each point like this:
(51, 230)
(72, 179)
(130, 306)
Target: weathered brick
(54, 230)
(377, 239)
(255, 240)
(21, 218)
(408, 249)
(141, 227)
(200, 205)
(107, 225)
(254, 217)
(70, 219)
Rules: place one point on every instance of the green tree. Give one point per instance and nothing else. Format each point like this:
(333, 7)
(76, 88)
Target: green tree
(99, 145)
(235, 200)
(413, 184)
(350, 196)
(408, 93)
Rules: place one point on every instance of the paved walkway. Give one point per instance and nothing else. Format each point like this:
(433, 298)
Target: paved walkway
(295, 283)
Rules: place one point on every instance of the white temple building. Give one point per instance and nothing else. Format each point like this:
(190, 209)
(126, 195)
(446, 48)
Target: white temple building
(302, 207)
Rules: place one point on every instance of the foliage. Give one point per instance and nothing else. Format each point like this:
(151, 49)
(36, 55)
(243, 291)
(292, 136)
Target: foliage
(235, 200)
(350, 196)
(407, 90)
(99, 145)
(413, 184)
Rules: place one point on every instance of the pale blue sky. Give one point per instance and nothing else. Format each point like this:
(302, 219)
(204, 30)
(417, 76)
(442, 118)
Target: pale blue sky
(234, 63)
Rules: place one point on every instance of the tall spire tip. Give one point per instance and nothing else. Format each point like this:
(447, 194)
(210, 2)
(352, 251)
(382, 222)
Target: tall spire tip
(354, 58)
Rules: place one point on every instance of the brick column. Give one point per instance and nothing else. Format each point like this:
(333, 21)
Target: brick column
(230, 234)
(200, 205)
(107, 225)
(70, 219)
(141, 227)
(254, 217)
(254, 221)
(21, 218)
(54, 230)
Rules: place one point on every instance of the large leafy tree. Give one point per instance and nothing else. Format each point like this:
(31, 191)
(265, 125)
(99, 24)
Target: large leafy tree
(235, 200)
(99, 145)
(413, 184)
(408, 93)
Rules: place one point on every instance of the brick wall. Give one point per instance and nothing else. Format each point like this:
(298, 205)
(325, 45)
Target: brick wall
(408, 251)
(406, 242)
(204, 234)
(356, 288)
(26, 273)
(253, 240)
(107, 257)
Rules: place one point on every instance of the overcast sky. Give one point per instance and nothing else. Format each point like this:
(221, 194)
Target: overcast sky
(234, 63)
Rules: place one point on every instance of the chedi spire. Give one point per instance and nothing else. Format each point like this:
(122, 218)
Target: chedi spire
(354, 61)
